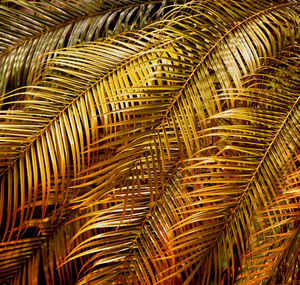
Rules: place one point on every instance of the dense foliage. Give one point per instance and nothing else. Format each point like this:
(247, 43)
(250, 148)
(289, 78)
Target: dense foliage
(149, 142)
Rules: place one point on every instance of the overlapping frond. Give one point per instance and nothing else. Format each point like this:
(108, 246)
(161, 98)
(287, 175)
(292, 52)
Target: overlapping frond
(23, 260)
(274, 258)
(52, 154)
(29, 29)
(163, 143)
(60, 116)
(231, 97)
(238, 175)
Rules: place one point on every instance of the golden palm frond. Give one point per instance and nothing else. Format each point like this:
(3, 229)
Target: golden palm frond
(30, 29)
(21, 259)
(153, 152)
(274, 258)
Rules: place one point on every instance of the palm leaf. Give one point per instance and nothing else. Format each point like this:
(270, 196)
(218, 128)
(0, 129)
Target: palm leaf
(274, 258)
(30, 29)
(168, 139)
(23, 257)
(180, 119)
(54, 150)
(55, 130)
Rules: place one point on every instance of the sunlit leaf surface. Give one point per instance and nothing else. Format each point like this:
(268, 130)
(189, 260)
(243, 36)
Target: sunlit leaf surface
(149, 142)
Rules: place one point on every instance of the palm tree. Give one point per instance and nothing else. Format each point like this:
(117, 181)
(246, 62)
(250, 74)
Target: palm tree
(149, 142)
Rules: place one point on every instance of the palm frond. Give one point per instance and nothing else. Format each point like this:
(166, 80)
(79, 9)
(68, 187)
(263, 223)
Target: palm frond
(44, 188)
(241, 174)
(274, 258)
(162, 143)
(188, 249)
(62, 121)
(23, 257)
(30, 29)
